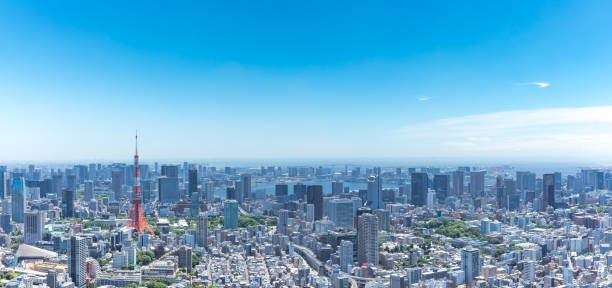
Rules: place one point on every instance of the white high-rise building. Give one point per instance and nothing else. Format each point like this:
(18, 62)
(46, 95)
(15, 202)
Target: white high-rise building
(529, 271)
(77, 255)
(346, 255)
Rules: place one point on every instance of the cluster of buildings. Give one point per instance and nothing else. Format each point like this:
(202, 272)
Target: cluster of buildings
(303, 226)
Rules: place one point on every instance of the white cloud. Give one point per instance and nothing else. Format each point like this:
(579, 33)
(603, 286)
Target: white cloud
(564, 132)
(537, 84)
(424, 98)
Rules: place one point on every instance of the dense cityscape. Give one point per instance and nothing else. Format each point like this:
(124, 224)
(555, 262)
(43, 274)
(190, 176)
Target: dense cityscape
(314, 144)
(193, 225)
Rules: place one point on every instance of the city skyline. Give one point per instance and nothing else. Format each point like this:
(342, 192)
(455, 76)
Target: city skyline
(307, 81)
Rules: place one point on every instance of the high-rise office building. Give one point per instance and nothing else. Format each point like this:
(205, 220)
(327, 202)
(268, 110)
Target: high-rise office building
(470, 263)
(148, 190)
(367, 235)
(3, 181)
(501, 199)
(281, 191)
(72, 182)
(117, 184)
(337, 187)
(18, 199)
(548, 191)
(346, 255)
(441, 183)
(193, 181)
(315, 197)
(89, 190)
(419, 189)
(210, 191)
(168, 189)
(33, 226)
(5, 222)
(299, 190)
(374, 196)
(477, 183)
(245, 188)
(230, 193)
(282, 225)
(77, 255)
(342, 212)
(202, 230)
(57, 185)
(170, 171)
(458, 178)
(384, 219)
(68, 198)
(230, 214)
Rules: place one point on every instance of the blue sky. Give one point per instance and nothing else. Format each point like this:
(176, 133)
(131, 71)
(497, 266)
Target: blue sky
(311, 79)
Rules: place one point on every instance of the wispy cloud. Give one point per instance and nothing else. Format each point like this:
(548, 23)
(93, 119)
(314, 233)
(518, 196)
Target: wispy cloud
(424, 98)
(536, 84)
(557, 131)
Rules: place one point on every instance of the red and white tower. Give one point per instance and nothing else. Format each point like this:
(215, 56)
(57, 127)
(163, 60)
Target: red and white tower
(137, 218)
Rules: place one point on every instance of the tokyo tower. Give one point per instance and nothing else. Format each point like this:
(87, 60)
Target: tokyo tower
(137, 218)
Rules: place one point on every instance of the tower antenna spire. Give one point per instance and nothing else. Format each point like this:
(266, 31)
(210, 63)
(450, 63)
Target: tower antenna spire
(136, 141)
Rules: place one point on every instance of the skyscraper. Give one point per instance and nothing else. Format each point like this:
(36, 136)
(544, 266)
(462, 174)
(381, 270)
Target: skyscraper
(419, 188)
(193, 181)
(283, 222)
(68, 198)
(367, 235)
(374, 196)
(548, 191)
(168, 189)
(337, 187)
(299, 190)
(477, 183)
(77, 254)
(458, 177)
(342, 212)
(202, 230)
(34, 225)
(315, 197)
(18, 199)
(281, 191)
(470, 263)
(245, 188)
(89, 190)
(3, 179)
(116, 183)
(346, 255)
(230, 214)
(441, 183)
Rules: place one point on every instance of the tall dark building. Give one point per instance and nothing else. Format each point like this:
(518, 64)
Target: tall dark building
(230, 193)
(419, 188)
(441, 183)
(68, 203)
(281, 190)
(315, 197)
(548, 191)
(500, 193)
(193, 181)
(299, 190)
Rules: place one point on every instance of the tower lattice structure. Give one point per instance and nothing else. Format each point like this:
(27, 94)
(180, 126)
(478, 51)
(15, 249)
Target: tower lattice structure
(137, 218)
